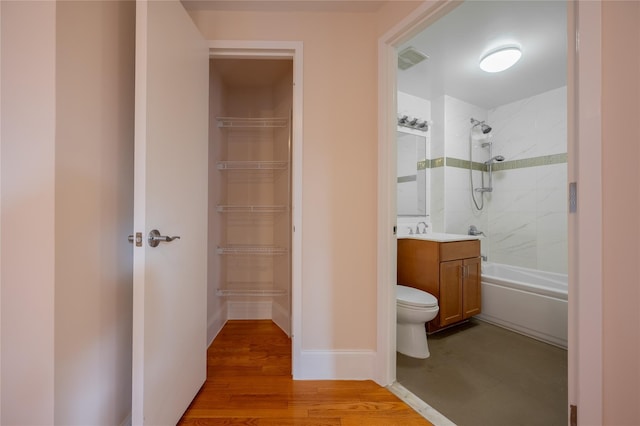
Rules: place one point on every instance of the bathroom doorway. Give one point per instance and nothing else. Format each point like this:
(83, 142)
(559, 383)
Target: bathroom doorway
(428, 16)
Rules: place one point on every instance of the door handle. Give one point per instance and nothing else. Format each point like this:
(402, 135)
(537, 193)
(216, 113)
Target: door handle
(137, 238)
(155, 238)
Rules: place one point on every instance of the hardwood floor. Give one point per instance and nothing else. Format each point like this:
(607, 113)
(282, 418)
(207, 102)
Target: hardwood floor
(249, 383)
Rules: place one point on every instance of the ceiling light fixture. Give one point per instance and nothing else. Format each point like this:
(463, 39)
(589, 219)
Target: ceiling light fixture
(500, 59)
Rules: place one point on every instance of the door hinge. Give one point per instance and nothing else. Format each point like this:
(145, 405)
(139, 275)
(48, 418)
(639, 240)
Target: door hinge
(573, 197)
(573, 415)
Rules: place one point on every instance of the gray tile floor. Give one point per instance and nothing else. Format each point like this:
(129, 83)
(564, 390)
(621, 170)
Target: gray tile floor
(482, 375)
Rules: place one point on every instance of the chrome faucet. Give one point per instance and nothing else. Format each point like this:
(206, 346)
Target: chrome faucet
(474, 231)
(418, 228)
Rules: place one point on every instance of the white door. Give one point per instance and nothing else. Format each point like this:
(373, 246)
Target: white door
(170, 295)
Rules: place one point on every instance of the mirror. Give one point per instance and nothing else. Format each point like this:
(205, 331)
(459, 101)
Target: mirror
(412, 174)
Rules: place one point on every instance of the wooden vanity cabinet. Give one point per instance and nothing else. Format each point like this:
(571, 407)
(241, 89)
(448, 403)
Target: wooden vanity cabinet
(448, 270)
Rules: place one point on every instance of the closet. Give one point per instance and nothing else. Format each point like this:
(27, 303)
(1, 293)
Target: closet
(250, 190)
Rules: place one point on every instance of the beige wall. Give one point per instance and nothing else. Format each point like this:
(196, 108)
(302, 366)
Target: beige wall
(93, 211)
(216, 306)
(66, 141)
(27, 212)
(339, 166)
(621, 211)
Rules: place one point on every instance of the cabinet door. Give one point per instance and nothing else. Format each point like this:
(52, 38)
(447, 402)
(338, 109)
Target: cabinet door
(450, 292)
(471, 290)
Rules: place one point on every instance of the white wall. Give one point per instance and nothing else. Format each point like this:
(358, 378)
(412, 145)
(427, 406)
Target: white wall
(67, 75)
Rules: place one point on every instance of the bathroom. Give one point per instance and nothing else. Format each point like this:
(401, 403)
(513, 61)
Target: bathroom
(514, 122)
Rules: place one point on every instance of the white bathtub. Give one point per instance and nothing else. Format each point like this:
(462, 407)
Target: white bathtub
(530, 302)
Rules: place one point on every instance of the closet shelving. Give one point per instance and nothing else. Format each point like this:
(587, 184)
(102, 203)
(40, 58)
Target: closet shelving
(250, 292)
(246, 122)
(244, 138)
(252, 250)
(252, 165)
(251, 209)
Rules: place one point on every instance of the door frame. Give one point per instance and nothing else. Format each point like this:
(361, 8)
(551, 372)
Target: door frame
(584, 166)
(293, 50)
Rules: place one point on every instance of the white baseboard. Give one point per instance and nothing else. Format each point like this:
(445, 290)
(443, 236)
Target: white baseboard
(281, 318)
(248, 310)
(337, 365)
(215, 324)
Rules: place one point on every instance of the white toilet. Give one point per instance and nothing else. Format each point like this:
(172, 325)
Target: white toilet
(415, 307)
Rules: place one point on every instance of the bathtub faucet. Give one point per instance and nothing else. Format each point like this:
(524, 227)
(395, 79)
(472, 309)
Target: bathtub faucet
(474, 231)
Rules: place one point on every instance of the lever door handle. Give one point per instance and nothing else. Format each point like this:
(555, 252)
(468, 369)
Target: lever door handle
(155, 238)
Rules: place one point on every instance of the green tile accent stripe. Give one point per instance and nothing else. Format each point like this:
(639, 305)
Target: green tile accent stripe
(410, 178)
(545, 160)
(464, 164)
(454, 162)
(422, 165)
(437, 162)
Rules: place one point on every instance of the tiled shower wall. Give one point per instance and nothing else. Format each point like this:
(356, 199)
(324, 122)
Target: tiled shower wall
(528, 208)
(452, 208)
(525, 217)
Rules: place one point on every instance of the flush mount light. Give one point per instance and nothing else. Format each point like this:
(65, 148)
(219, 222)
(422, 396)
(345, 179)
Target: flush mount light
(500, 59)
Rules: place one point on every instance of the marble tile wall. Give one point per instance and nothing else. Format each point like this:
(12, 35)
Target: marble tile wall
(528, 207)
(458, 205)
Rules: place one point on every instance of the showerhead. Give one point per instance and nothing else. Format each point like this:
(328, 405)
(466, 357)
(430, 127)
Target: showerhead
(485, 128)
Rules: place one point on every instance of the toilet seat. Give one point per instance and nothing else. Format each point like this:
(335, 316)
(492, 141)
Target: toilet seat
(412, 297)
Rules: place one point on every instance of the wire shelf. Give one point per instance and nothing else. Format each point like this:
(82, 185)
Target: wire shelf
(251, 209)
(250, 292)
(252, 165)
(252, 122)
(253, 250)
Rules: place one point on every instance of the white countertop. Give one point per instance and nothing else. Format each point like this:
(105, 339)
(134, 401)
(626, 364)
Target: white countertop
(438, 237)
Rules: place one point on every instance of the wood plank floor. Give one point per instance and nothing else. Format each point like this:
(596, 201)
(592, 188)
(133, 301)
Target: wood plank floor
(249, 383)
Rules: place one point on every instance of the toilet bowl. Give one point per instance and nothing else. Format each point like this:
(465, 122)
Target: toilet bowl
(414, 308)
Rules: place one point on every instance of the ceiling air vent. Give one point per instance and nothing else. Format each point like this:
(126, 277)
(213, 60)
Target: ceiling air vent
(410, 57)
